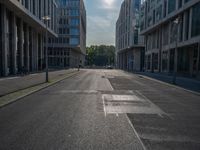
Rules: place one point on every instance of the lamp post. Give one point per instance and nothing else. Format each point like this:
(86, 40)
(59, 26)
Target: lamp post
(176, 22)
(198, 57)
(46, 19)
(78, 58)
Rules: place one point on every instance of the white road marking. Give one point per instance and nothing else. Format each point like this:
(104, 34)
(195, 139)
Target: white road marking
(79, 91)
(137, 135)
(110, 85)
(104, 108)
(11, 78)
(34, 74)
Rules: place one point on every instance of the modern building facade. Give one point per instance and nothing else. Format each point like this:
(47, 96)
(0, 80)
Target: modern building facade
(172, 36)
(129, 44)
(69, 49)
(22, 33)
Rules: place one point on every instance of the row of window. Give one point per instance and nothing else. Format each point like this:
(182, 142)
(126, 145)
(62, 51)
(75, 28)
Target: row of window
(65, 40)
(152, 60)
(156, 10)
(70, 3)
(171, 29)
(58, 51)
(69, 31)
(67, 21)
(69, 12)
(38, 8)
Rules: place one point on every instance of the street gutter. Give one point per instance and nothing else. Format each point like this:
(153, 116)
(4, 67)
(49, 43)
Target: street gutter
(162, 82)
(175, 86)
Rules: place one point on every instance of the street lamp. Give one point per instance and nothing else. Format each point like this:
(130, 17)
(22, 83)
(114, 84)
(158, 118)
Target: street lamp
(46, 19)
(176, 22)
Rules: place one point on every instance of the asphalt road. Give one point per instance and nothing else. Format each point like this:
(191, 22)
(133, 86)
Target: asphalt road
(68, 115)
(103, 110)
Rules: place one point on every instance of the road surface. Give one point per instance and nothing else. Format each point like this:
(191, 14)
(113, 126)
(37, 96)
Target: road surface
(103, 110)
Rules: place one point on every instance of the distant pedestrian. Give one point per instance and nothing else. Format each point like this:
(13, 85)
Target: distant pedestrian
(23, 71)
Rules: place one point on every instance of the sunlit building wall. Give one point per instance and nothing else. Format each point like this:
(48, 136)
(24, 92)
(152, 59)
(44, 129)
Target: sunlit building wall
(129, 44)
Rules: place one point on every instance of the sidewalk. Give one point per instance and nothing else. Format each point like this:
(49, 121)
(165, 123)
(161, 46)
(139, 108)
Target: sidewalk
(186, 83)
(13, 84)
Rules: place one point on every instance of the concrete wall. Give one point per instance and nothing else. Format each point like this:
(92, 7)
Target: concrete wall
(163, 36)
(21, 37)
(130, 59)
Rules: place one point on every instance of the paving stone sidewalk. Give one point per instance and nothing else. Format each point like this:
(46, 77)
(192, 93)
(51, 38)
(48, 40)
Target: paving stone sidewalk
(12, 84)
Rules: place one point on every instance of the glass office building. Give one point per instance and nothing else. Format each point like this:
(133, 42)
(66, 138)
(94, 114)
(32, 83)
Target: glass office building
(69, 49)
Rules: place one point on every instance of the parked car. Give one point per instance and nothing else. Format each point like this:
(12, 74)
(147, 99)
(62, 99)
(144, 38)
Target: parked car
(109, 67)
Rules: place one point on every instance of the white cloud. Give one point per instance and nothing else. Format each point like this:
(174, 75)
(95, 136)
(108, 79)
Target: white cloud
(98, 22)
(101, 18)
(108, 2)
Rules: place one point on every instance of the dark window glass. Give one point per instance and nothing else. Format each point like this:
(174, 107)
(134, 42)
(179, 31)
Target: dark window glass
(171, 5)
(187, 1)
(196, 20)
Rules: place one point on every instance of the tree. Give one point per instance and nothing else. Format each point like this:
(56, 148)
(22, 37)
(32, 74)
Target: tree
(100, 55)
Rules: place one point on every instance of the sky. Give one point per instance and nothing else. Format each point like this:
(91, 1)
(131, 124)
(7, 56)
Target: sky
(101, 19)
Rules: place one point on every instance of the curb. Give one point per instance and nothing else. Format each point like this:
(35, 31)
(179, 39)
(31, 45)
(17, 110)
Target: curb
(168, 84)
(37, 84)
(43, 86)
(162, 82)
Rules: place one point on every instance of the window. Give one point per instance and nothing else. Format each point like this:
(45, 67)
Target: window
(187, 22)
(136, 37)
(165, 8)
(154, 16)
(74, 22)
(137, 5)
(179, 3)
(60, 31)
(171, 5)
(148, 62)
(74, 31)
(74, 12)
(61, 21)
(164, 61)
(159, 13)
(1, 50)
(26, 4)
(187, 1)
(196, 20)
(74, 41)
(165, 34)
(66, 40)
(60, 40)
(155, 61)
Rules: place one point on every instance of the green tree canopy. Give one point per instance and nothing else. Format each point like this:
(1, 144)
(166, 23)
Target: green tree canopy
(100, 55)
